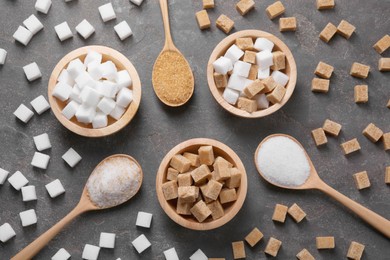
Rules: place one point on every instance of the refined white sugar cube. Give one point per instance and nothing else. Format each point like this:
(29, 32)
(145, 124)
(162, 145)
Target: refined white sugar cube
(6, 232)
(262, 101)
(22, 35)
(234, 53)
(75, 95)
(71, 157)
(75, 67)
(109, 70)
(123, 79)
(100, 120)
(280, 77)
(3, 175)
(33, 24)
(61, 254)
(241, 68)
(3, 55)
(94, 69)
(141, 243)
(40, 160)
(32, 71)
(264, 59)
(123, 30)
(231, 96)
(137, 2)
(62, 91)
(28, 217)
(107, 240)
(23, 113)
(42, 142)
(237, 82)
(55, 188)
(262, 44)
(222, 65)
(90, 252)
(198, 255)
(85, 114)
(107, 12)
(93, 56)
(70, 110)
(40, 104)
(144, 219)
(90, 97)
(17, 180)
(85, 29)
(43, 6)
(124, 97)
(63, 31)
(107, 88)
(28, 193)
(84, 79)
(263, 74)
(171, 254)
(106, 105)
(117, 112)
(66, 78)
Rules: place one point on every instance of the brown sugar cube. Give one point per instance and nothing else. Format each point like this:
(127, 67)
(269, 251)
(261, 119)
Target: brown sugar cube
(275, 10)
(200, 211)
(180, 163)
(324, 70)
(188, 193)
(221, 159)
(325, 4)
(244, 43)
(320, 85)
(279, 59)
(359, 70)
(172, 174)
(235, 179)
(273, 247)
(373, 132)
(220, 80)
(194, 159)
(361, 94)
(388, 104)
(216, 209)
(227, 195)
(319, 136)
(345, 29)
(244, 6)
(269, 84)
(213, 189)
(238, 250)
(203, 189)
(254, 237)
(184, 179)
(247, 105)
(386, 141)
(355, 251)
(287, 24)
(384, 64)
(276, 95)
(201, 174)
(304, 254)
(331, 127)
(350, 146)
(325, 242)
(383, 44)
(222, 171)
(328, 32)
(183, 208)
(361, 180)
(250, 57)
(203, 19)
(206, 155)
(253, 72)
(280, 213)
(224, 23)
(207, 4)
(169, 189)
(296, 213)
(387, 175)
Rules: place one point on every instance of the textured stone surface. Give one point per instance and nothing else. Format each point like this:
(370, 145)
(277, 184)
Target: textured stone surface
(156, 129)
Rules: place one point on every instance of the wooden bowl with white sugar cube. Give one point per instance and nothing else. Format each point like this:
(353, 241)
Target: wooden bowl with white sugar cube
(251, 73)
(94, 91)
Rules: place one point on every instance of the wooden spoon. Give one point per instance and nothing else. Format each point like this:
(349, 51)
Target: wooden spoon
(172, 77)
(85, 204)
(315, 182)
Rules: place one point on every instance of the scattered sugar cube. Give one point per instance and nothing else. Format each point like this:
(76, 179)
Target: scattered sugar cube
(361, 180)
(17, 180)
(275, 9)
(6, 232)
(324, 70)
(70, 109)
(62, 91)
(328, 32)
(43, 6)
(107, 12)
(71, 157)
(383, 44)
(355, 251)
(254, 237)
(90, 252)
(241, 68)
(244, 6)
(233, 53)
(42, 142)
(320, 85)
(384, 64)
(319, 136)
(224, 23)
(117, 112)
(263, 73)
(222, 65)
(85, 114)
(144, 219)
(264, 59)
(22, 35)
(280, 77)
(28, 217)
(263, 44)
(373, 133)
(304, 254)
(296, 213)
(40, 160)
(32, 71)
(203, 19)
(350, 146)
(231, 96)
(331, 127)
(280, 213)
(141, 243)
(361, 93)
(345, 29)
(261, 101)
(171, 254)
(61, 254)
(359, 70)
(100, 120)
(137, 2)
(107, 240)
(85, 29)
(287, 24)
(124, 97)
(387, 175)
(55, 188)
(28, 193)
(3, 175)
(40, 104)
(123, 79)
(33, 24)
(238, 250)
(63, 31)
(23, 113)
(3, 55)
(198, 255)
(386, 141)
(325, 242)
(273, 246)
(325, 4)
(208, 4)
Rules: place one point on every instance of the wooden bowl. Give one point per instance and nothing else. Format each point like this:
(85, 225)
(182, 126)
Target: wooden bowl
(122, 63)
(231, 209)
(221, 48)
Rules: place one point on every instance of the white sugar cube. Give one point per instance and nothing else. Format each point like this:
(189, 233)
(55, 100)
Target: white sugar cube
(144, 219)
(75, 95)
(85, 29)
(107, 88)
(43, 6)
(84, 79)
(17, 180)
(262, 101)
(123, 79)
(106, 105)
(75, 67)
(234, 53)
(94, 69)
(237, 82)
(262, 44)
(117, 112)
(100, 120)
(280, 77)
(6, 232)
(42, 142)
(264, 59)
(23, 113)
(141, 243)
(33, 24)
(3, 175)
(3, 55)
(71, 157)
(230, 95)
(107, 12)
(93, 56)
(63, 31)
(66, 78)
(222, 65)
(109, 70)
(40, 104)
(263, 74)
(198, 255)
(62, 91)
(90, 97)
(171, 254)
(107, 240)
(28, 193)
(70, 110)
(40, 160)
(137, 2)
(28, 217)
(85, 114)
(123, 30)
(32, 71)
(55, 188)
(124, 97)
(61, 254)
(90, 252)
(241, 68)
(22, 35)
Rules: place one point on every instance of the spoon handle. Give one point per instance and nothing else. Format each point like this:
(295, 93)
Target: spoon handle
(167, 29)
(372, 218)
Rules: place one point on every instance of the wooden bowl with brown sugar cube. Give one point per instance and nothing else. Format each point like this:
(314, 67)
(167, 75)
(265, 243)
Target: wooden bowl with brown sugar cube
(251, 73)
(201, 184)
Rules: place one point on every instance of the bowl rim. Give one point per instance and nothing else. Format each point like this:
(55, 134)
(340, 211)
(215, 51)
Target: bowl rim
(229, 40)
(131, 109)
(181, 147)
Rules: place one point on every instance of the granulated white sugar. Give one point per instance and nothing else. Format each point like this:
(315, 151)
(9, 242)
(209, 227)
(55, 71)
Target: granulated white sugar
(283, 162)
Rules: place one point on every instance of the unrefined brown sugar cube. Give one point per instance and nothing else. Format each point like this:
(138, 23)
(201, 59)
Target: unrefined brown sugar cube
(320, 85)
(203, 19)
(269, 84)
(180, 163)
(345, 29)
(207, 4)
(386, 141)
(244, 6)
(221, 159)
(328, 32)
(325, 4)
(183, 208)
(279, 59)
(325, 242)
(383, 44)
(201, 174)
(247, 104)
(388, 104)
(355, 251)
(203, 189)
(253, 72)
(172, 174)
(206, 155)
(273, 247)
(254, 237)
(319, 136)
(188, 193)
(213, 189)
(280, 213)
(216, 209)
(250, 57)
(275, 9)
(296, 213)
(227, 195)
(387, 175)
(235, 179)
(331, 127)
(170, 190)
(304, 254)
(384, 64)
(200, 211)
(361, 94)
(359, 70)
(277, 94)
(220, 80)
(324, 70)
(373, 132)
(350, 146)
(287, 24)
(244, 43)
(184, 179)
(238, 250)
(194, 159)
(222, 171)
(361, 180)
(224, 23)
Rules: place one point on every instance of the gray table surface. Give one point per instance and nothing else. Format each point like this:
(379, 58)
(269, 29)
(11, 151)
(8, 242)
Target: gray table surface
(156, 129)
